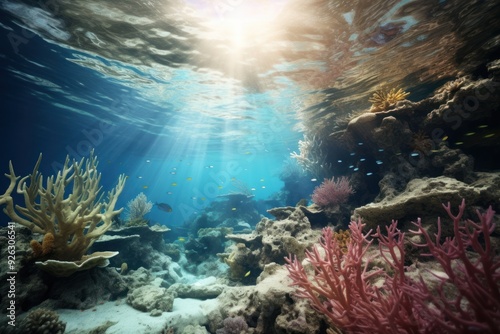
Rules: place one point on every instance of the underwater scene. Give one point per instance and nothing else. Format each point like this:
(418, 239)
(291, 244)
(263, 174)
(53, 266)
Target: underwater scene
(237, 166)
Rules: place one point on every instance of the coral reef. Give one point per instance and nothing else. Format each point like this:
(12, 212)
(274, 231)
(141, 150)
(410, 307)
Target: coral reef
(138, 246)
(345, 287)
(271, 241)
(75, 221)
(233, 325)
(422, 198)
(267, 307)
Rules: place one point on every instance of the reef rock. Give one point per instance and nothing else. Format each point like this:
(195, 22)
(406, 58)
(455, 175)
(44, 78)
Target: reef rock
(423, 198)
(267, 307)
(271, 241)
(149, 297)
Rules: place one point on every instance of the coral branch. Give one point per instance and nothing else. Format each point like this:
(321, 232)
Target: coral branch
(75, 221)
(467, 298)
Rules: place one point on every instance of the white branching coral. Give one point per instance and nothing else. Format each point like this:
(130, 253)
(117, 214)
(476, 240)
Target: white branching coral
(138, 207)
(311, 157)
(70, 208)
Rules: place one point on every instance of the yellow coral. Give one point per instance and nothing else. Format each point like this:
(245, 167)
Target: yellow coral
(343, 238)
(381, 100)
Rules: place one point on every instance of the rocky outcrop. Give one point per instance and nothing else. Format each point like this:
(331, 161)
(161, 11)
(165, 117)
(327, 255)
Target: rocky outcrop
(423, 198)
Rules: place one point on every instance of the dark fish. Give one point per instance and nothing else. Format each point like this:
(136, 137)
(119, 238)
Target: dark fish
(164, 207)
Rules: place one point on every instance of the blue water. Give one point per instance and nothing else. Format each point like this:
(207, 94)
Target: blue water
(190, 99)
(171, 147)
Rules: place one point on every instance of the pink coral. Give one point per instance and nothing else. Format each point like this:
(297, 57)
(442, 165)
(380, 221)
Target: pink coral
(341, 290)
(331, 193)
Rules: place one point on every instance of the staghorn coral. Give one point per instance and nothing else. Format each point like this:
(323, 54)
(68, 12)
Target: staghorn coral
(382, 100)
(70, 224)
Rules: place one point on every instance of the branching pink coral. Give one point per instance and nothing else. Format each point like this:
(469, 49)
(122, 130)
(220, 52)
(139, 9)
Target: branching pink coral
(331, 193)
(476, 278)
(341, 285)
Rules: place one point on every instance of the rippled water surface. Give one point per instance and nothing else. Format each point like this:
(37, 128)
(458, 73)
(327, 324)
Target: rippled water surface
(169, 78)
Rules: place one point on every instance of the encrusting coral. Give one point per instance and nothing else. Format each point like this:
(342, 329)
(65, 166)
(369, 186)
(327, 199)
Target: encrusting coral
(70, 224)
(381, 100)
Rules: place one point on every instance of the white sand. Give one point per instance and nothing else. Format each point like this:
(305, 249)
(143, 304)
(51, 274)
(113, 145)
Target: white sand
(129, 320)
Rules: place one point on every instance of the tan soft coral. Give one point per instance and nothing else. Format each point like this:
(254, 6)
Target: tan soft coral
(70, 224)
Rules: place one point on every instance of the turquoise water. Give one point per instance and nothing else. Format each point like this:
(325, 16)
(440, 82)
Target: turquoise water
(193, 99)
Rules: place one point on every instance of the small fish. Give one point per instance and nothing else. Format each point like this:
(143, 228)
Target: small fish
(468, 134)
(181, 239)
(189, 179)
(173, 184)
(139, 177)
(233, 209)
(220, 187)
(369, 173)
(489, 135)
(263, 187)
(444, 138)
(482, 126)
(339, 161)
(360, 143)
(145, 187)
(381, 150)
(169, 193)
(362, 159)
(248, 273)
(173, 173)
(164, 207)
(261, 180)
(459, 143)
(253, 189)
(314, 180)
(148, 161)
(356, 169)
(248, 153)
(414, 154)
(379, 162)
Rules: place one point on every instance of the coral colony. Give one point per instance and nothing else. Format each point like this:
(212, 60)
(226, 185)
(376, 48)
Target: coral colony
(359, 298)
(70, 224)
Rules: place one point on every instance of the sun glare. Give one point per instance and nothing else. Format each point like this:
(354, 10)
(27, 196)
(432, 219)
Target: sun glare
(241, 23)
